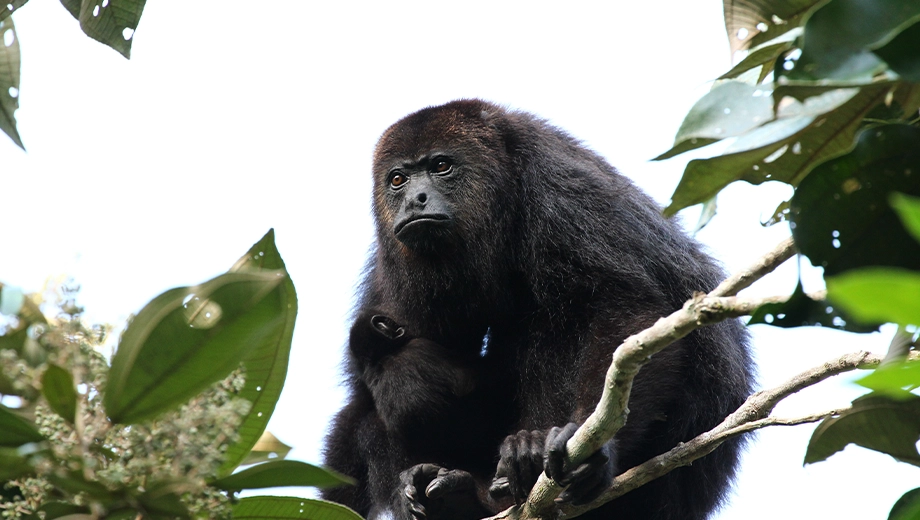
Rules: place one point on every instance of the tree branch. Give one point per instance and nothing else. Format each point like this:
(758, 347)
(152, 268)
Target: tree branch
(610, 414)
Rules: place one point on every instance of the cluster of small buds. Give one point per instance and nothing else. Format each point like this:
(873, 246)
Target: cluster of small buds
(186, 445)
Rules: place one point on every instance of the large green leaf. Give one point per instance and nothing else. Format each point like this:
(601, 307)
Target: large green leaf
(907, 507)
(60, 392)
(840, 213)
(754, 22)
(187, 339)
(801, 311)
(729, 109)
(58, 510)
(266, 362)
(281, 508)
(9, 79)
(876, 422)
(838, 38)
(16, 431)
(878, 295)
(786, 149)
(111, 22)
(282, 473)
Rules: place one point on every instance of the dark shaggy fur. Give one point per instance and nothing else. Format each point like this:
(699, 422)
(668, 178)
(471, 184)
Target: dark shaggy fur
(554, 257)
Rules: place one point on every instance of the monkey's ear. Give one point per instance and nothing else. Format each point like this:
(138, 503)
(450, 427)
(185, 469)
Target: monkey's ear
(387, 327)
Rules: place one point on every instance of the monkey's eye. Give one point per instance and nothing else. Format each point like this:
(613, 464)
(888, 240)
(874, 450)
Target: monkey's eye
(397, 179)
(441, 166)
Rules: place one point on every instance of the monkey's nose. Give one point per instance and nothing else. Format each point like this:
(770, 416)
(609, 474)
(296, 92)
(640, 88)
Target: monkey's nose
(422, 198)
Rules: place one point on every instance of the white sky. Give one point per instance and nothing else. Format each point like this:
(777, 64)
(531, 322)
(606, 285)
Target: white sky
(234, 117)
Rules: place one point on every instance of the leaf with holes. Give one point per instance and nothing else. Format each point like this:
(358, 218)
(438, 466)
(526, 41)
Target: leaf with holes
(266, 362)
(786, 149)
(9, 80)
(282, 508)
(280, 473)
(878, 294)
(839, 37)
(10, 7)
(876, 422)
(841, 218)
(187, 339)
(730, 109)
(60, 392)
(750, 24)
(111, 22)
(801, 311)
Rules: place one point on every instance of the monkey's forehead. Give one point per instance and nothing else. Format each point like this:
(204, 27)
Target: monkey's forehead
(458, 125)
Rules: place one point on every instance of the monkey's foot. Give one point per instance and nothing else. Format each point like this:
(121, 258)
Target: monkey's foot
(435, 493)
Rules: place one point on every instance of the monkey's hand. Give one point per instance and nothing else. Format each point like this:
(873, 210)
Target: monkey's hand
(527, 454)
(587, 480)
(520, 464)
(431, 492)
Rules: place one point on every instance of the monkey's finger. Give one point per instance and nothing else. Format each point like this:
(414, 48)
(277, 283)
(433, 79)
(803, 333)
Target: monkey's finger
(556, 452)
(449, 481)
(417, 510)
(500, 487)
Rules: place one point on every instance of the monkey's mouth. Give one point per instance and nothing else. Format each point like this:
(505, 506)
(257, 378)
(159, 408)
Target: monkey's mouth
(417, 227)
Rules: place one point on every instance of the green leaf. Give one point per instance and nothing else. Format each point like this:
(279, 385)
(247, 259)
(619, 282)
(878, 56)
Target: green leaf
(876, 422)
(15, 430)
(187, 339)
(280, 508)
(113, 24)
(267, 361)
(801, 311)
(893, 379)
(267, 448)
(841, 218)
(901, 53)
(838, 38)
(878, 295)
(12, 463)
(907, 507)
(731, 108)
(10, 7)
(60, 392)
(282, 473)
(9, 79)
(908, 210)
(755, 23)
(787, 149)
(764, 55)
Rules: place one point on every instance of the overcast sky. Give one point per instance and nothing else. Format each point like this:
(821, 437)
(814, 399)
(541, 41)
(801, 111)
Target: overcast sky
(235, 117)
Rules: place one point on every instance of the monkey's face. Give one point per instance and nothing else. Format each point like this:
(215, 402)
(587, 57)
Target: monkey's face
(435, 180)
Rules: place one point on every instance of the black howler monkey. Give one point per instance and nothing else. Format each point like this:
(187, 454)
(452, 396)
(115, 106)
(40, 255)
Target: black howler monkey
(523, 259)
